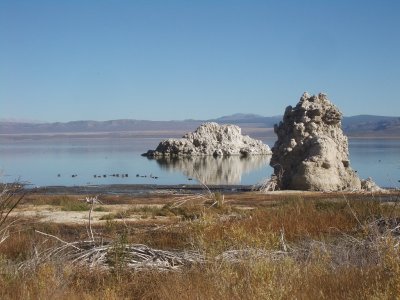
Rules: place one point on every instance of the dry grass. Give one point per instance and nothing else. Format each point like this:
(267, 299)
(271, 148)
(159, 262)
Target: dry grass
(337, 248)
(260, 280)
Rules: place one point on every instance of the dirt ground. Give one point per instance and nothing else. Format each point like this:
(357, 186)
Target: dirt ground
(141, 208)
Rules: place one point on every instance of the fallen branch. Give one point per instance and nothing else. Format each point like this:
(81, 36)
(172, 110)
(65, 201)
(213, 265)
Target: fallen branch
(58, 239)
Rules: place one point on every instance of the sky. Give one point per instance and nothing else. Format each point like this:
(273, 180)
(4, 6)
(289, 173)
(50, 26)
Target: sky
(175, 60)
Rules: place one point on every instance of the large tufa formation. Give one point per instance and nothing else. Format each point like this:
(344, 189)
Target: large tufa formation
(211, 139)
(311, 152)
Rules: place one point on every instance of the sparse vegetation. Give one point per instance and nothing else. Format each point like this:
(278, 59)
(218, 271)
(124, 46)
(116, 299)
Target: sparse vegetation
(267, 248)
(65, 203)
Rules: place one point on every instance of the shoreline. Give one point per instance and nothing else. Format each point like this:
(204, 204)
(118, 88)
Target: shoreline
(135, 189)
(148, 189)
(255, 132)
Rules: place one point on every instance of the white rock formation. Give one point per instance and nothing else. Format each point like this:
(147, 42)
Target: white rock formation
(370, 186)
(311, 152)
(211, 139)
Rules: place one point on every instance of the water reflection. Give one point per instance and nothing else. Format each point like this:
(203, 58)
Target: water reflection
(40, 162)
(211, 170)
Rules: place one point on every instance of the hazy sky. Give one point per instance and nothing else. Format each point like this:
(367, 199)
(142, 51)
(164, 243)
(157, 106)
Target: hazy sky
(163, 60)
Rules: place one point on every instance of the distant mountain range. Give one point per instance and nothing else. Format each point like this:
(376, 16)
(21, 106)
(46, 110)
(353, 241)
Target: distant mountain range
(356, 126)
(369, 125)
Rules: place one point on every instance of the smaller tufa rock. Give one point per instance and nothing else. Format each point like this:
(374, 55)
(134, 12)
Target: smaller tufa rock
(211, 139)
(370, 186)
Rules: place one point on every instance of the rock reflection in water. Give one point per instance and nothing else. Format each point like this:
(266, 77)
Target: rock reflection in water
(214, 170)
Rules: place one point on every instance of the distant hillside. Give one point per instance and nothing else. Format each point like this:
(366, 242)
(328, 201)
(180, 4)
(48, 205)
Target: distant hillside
(94, 126)
(356, 126)
(249, 119)
(368, 125)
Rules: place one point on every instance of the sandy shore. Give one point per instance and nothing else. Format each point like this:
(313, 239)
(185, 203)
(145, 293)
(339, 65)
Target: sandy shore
(135, 189)
(148, 189)
(43, 203)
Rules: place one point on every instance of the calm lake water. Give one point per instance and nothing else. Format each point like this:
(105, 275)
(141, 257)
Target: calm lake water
(52, 161)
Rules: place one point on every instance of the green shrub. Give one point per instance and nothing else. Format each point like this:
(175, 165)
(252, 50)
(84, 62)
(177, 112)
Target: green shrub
(74, 205)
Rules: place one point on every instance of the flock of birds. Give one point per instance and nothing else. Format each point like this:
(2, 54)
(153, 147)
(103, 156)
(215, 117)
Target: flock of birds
(113, 175)
(145, 176)
(125, 175)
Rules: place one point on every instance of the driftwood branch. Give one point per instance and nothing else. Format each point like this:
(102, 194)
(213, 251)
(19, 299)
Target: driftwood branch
(92, 201)
(58, 239)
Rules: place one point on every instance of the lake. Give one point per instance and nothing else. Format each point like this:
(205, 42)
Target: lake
(83, 161)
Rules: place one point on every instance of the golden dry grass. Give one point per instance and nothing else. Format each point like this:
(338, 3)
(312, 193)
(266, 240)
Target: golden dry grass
(301, 218)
